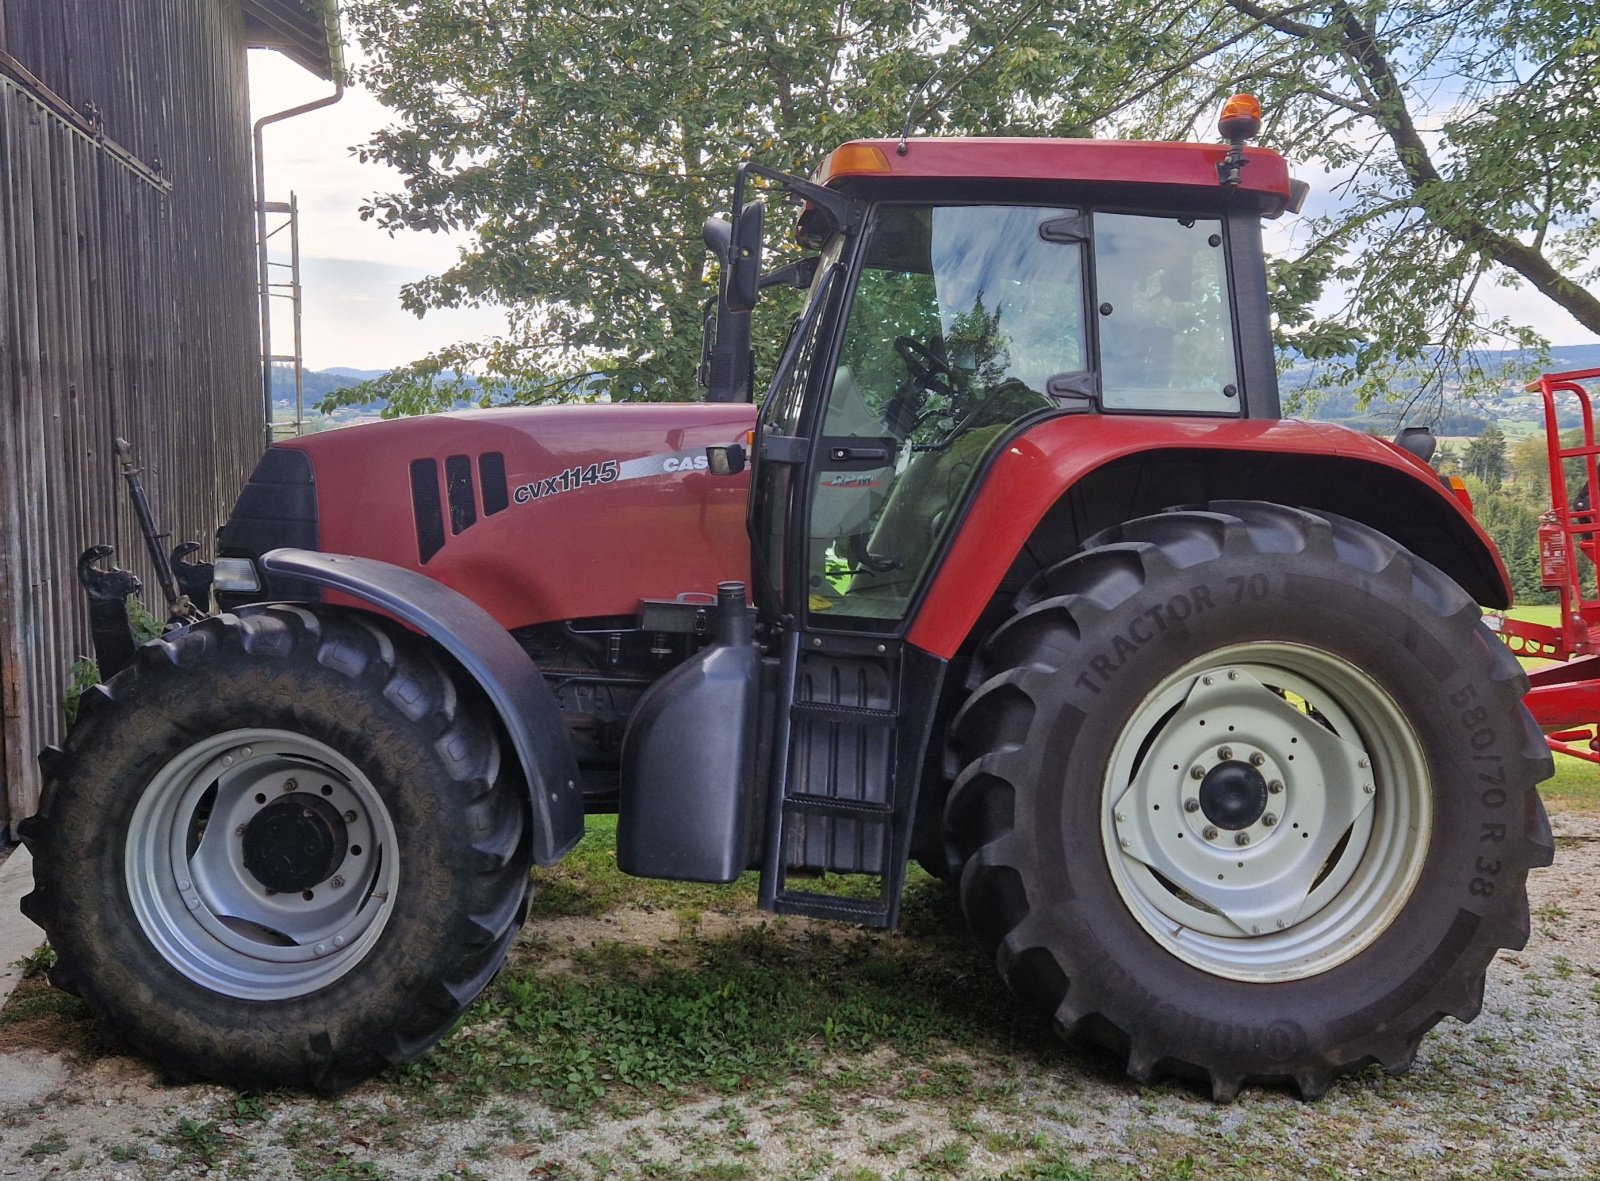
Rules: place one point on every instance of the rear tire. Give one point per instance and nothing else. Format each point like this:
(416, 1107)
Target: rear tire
(280, 850)
(1248, 795)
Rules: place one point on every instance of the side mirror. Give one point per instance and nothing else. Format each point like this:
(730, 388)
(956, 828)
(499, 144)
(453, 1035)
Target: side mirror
(726, 459)
(742, 281)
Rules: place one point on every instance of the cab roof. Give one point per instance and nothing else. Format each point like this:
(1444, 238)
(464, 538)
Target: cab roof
(1090, 161)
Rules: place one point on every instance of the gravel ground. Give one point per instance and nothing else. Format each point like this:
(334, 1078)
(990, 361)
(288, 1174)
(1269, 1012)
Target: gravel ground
(1512, 1095)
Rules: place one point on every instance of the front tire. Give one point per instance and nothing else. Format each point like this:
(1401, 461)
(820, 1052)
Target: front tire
(280, 850)
(1248, 794)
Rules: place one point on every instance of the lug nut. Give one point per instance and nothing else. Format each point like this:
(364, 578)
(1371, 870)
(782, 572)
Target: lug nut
(1197, 772)
(1233, 674)
(338, 882)
(1209, 833)
(350, 817)
(1242, 838)
(1257, 758)
(1275, 786)
(1368, 788)
(1270, 819)
(1224, 753)
(1189, 805)
(290, 784)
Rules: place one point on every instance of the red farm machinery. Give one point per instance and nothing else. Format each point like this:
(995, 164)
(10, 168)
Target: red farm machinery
(1565, 694)
(1016, 572)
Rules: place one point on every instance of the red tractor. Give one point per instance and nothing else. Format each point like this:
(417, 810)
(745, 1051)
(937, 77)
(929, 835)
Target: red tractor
(1194, 702)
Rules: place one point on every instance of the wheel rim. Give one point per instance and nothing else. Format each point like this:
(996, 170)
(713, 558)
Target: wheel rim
(1266, 812)
(261, 864)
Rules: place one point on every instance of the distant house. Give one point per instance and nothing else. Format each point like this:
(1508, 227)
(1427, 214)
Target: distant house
(128, 304)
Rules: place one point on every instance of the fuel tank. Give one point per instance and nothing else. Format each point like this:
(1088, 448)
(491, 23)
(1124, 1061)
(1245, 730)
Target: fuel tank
(535, 513)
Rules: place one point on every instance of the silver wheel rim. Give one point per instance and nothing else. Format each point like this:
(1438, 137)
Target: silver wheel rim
(1286, 889)
(208, 913)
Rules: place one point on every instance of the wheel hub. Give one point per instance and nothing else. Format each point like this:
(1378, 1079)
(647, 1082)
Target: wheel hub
(1233, 795)
(294, 843)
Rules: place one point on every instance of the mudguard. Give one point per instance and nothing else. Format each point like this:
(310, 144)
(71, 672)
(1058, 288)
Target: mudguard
(491, 657)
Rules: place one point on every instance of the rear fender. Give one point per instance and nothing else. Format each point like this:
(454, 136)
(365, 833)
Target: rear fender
(488, 654)
(1063, 479)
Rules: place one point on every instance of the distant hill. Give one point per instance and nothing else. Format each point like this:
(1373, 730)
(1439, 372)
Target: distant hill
(317, 383)
(1459, 418)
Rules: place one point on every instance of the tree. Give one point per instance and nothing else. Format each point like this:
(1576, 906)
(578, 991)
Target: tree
(1486, 457)
(1461, 144)
(582, 141)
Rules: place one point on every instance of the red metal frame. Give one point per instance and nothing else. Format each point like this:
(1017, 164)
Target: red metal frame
(1565, 697)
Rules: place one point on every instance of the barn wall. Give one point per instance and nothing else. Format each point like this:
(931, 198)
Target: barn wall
(127, 309)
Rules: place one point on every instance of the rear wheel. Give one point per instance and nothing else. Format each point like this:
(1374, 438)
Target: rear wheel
(1248, 794)
(279, 850)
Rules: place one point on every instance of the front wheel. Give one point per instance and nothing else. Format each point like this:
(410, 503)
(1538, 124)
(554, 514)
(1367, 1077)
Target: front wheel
(279, 850)
(1248, 794)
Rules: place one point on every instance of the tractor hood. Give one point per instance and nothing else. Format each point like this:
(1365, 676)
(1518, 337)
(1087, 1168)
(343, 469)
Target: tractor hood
(535, 513)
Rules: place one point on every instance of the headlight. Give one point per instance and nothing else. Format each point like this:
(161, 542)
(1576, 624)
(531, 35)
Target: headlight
(236, 576)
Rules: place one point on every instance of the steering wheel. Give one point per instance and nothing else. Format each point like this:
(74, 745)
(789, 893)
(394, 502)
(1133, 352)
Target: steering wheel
(928, 367)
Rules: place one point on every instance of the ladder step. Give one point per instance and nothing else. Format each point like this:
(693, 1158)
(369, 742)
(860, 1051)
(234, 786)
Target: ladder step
(837, 806)
(869, 912)
(828, 712)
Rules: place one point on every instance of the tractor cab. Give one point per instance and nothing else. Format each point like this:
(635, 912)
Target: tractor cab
(960, 290)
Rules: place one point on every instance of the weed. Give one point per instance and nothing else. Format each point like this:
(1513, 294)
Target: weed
(37, 962)
(346, 1170)
(200, 1142)
(43, 1148)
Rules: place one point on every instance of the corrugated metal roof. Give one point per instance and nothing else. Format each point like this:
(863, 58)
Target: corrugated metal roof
(305, 31)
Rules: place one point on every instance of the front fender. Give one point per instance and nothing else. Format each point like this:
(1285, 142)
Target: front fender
(490, 656)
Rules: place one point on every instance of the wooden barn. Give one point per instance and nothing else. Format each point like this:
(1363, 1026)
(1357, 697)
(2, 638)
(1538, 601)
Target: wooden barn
(128, 305)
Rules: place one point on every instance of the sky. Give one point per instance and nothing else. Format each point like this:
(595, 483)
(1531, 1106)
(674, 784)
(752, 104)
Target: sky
(352, 272)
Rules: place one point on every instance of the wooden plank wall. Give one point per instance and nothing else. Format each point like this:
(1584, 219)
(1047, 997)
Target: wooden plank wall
(127, 308)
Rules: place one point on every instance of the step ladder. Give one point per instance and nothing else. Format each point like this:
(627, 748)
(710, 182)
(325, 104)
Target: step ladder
(842, 793)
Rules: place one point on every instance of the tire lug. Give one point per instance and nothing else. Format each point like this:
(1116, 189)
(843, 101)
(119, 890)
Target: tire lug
(1121, 818)
(1368, 788)
(338, 882)
(1269, 819)
(1363, 763)
(1208, 680)
(239, 832)
(290, 784)
(1275, 787)
(1224, 753)
(1233, 674)
(350, 816)
(1242, 838)
(1125, 842)
(1257, 758)
(1189, 805)
(1209, 833)
(1197, 772)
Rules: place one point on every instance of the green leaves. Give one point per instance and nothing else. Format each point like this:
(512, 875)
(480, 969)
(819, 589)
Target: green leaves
(583, 142)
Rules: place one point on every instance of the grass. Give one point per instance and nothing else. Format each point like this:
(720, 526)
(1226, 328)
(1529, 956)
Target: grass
(768, 1000)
